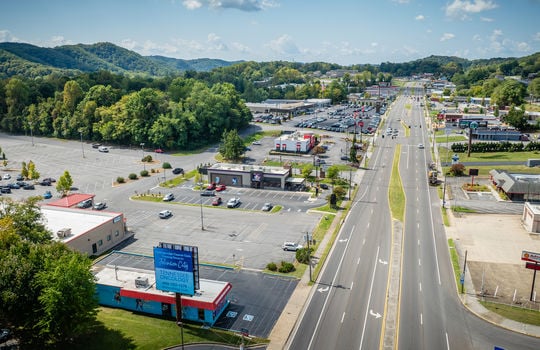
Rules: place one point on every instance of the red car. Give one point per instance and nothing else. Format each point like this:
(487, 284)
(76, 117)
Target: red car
(217, 201)
(211, 186)
(158, 150)
(220, 188)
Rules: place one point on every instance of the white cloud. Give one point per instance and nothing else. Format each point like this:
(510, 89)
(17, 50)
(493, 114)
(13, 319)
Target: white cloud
(283, 45)
(401, 1)
(461, 9)
(241, 48)
(242, 5)
(447, 36)
(60, 40)
(477, 37)
(215, 43)
(537, 36)
(419, 18)
(486, 19)
(374, 44)
(6, 36)
(523, 47)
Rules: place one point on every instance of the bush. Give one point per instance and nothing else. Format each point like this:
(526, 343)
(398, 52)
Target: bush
(340, 192)
(147, 159)
(166, 165)
(272, 266)
(286, 267)
(120, 180)
(144, 173)
(132, 176)
(457, 169)
(302, 255)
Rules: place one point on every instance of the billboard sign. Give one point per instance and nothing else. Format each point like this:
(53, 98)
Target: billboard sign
(176, 269)
(530, 256)
(532, 266)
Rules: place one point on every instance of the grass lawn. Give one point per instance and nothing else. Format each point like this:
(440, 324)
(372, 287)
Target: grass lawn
(455, 261)
(489, 156)
(122, 329)
(514, 313)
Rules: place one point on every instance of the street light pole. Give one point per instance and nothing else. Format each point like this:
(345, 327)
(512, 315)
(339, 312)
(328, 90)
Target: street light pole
(142, 151)
(202, 218)
(82, 146)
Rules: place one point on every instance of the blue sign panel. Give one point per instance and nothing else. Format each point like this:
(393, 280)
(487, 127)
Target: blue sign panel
(174, 270)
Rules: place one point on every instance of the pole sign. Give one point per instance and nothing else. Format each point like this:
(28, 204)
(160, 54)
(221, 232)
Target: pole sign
(473, 125)
(530, 256)
(532, 266)
(176, 268)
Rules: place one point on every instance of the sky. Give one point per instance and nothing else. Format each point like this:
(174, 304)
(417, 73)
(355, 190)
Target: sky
(345, 32)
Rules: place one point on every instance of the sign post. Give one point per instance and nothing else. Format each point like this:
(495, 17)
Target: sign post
(533, 263)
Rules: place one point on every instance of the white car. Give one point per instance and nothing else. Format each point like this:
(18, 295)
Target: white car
(233, 202)
(6, 177)
(168, 197)
(420, 146)
(291, 246)
(165, 214)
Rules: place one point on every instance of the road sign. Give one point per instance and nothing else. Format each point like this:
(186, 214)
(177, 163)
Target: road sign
(530, 256)
(532, 266)
(473, 125)
(461, 279)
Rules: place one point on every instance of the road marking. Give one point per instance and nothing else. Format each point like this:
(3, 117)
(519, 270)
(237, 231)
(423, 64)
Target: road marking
(447, 342)
(342, 317)
(369, 298)
(421, 319)
(420, 286)
(328, 295)
(418, 242)
(352, 284)
(364, 241)
(358, 261)
(322, 290)
(376, 315)
(419, 262)
(384, 262)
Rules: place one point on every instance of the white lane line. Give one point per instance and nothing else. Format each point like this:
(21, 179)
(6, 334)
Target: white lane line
(421, 319)
(328, 294)
(352, 285)
(447, 342)
(419, 262)
(420, 286)
(369, 298)
(358, 261)
(342, 317)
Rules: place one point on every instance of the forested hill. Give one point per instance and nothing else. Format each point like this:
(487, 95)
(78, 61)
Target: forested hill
(31, 61)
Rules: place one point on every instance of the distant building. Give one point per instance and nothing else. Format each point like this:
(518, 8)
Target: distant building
(254, 176)
(517, 187)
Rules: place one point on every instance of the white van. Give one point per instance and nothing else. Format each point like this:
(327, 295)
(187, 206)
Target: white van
(103, 149)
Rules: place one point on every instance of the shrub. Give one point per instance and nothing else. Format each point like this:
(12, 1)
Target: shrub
(166, 165)
(339, 191)
(302, 255)
(286, 267)
(147, 159)
(120, 180)
(457, 169)
(132, 176)
(144, 173)
(272, 266)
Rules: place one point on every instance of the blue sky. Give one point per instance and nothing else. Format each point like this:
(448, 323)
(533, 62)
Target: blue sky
(337, 31)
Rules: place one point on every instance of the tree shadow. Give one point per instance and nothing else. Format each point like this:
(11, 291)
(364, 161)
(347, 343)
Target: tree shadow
(100, 337)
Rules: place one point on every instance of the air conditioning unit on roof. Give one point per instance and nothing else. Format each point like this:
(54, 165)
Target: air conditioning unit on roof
(141, 282)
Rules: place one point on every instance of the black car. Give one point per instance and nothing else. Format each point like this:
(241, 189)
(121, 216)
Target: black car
(324, 186)
(96, 145)
(20, 177)
(14, 186)
(5, 189)
(45, 182)
(177, 171)
(29, 187)
(21, 183)
(85, 204)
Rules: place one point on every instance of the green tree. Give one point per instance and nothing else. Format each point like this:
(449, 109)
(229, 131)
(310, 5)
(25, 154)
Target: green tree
(33, 174)
(534, 88)
(353, 152)
(64, 183)
(232, 146)
(516, 117)
(508, 93)
(332, 173)
(24, 170)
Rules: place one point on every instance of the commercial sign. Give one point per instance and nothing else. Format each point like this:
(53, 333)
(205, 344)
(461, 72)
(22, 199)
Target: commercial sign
(530, 256)
(176, 269)
(532, 266)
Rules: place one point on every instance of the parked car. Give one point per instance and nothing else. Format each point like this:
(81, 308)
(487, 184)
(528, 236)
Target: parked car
(208, 193)
(6, 177)
(20, 177)
(177, 171)
(211, 186)
(96, 145)
(258, 143)
(14, 186)
(220, 188)
(45, 182)
(158, 150)
(267, 207)
(164, 214)
(47, 195)
(99, 206)
(324, 186)
(168, 197)
(21, 183)
(103, 149)
(233, 202)
(87, 203)
(5, 189)
(291, 246)
(50, 179)
(217, 201)
(29, 187)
